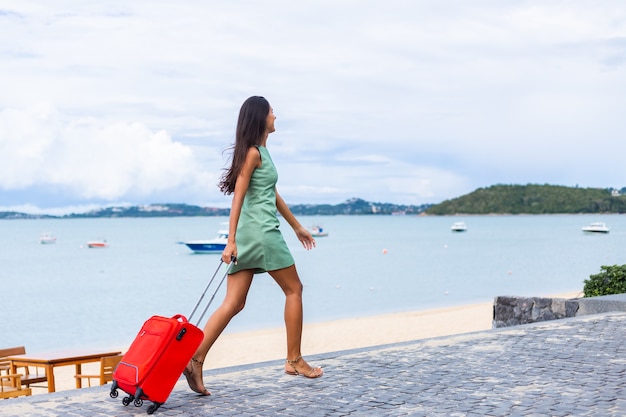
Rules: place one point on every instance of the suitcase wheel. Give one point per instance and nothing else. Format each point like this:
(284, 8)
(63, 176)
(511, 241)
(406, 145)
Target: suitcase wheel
(153, 408)
(138, 402)
(127, 400)
(114, 392)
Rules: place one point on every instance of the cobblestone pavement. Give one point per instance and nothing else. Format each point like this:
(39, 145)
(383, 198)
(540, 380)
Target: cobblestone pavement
(570, 367)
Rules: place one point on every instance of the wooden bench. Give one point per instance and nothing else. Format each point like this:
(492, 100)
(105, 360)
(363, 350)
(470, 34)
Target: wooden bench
(27, 378)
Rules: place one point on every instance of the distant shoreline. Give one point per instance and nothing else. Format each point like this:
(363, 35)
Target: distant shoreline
(354, 206)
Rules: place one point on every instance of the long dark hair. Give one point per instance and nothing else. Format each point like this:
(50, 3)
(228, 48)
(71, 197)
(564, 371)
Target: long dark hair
(251, 127)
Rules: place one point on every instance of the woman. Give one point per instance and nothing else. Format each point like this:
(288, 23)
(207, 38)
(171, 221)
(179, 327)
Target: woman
(256, 241)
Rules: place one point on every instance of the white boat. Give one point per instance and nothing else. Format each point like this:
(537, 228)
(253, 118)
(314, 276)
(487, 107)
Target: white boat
(459, 227)
(596, 227)
(47, 238)
(318, 231)
(216, 245)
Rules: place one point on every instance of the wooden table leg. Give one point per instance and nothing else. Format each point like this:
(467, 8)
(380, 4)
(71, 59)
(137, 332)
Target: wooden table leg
(50, 376)
(13, 370)
(79, 381)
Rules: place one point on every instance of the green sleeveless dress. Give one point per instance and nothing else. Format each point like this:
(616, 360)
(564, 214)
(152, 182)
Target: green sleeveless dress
(260, 244)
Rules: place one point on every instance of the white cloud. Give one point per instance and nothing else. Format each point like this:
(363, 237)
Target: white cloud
(91, 160)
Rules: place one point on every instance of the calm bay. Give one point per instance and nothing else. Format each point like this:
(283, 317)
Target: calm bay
(65, 295)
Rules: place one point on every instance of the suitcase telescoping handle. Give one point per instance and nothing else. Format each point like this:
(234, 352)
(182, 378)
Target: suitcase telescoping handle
(232, 259)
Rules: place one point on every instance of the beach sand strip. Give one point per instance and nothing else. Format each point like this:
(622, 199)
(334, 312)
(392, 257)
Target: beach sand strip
(233, 349)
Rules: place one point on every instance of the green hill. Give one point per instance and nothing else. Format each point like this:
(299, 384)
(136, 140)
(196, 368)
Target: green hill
(533, 199)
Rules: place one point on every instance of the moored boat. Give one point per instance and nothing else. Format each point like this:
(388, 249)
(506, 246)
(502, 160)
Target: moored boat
(459, 227)
(215, 245)
(596, 227)
(47, 238)
(318, 231)
(97, 244)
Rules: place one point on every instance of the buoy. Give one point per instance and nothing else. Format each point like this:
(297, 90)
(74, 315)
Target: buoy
(384, 251)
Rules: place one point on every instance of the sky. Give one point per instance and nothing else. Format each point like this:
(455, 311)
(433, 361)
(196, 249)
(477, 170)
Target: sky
(126, 103)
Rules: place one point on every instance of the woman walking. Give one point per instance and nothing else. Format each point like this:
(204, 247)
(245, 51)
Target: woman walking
(256, 241)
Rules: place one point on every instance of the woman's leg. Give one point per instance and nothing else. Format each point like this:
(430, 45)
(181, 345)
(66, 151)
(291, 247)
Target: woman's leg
(237, 286)
(289, 282)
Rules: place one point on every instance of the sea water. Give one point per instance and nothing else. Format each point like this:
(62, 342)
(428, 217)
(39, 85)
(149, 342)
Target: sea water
(65, 295)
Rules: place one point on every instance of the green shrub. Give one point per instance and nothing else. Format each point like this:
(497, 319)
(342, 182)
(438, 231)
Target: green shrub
(612, 280)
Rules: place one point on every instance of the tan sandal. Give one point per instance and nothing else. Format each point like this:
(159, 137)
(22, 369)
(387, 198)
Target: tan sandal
(189, 373)
(311, 373)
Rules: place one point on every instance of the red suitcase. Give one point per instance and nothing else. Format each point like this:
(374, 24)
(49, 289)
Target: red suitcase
(157, 357)
(155, 360)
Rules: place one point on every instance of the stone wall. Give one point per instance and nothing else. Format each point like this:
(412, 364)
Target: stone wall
(512, 311)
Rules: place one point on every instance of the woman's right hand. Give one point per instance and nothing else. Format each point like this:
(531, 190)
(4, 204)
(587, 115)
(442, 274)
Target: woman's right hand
(230, 253)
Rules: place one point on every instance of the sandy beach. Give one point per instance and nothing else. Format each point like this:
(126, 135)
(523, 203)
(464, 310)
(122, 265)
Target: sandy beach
(264, 345)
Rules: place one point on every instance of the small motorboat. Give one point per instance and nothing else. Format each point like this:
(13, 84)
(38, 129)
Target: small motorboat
(596, 227)
(459, 227)
(47, 238)
(216, 245)
(97, 244)
(318, 231)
